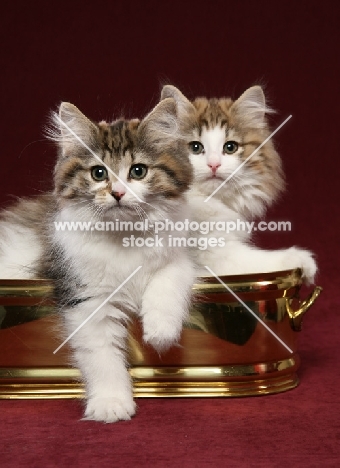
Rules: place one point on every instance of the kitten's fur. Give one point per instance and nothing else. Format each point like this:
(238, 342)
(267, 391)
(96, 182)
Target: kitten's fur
(248, 193)
(88, 266)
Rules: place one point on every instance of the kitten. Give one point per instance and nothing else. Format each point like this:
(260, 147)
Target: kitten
(153, 172)
(226, 133)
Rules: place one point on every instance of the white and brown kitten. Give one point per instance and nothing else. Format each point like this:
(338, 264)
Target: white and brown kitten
(226, 134)
(154, 172)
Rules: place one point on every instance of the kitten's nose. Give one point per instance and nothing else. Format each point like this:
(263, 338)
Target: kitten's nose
(214, 167)
(118, 195)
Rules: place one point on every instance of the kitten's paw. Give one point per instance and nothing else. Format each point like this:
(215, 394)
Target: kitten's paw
(110, 409)
(304, 259)
(161, 336)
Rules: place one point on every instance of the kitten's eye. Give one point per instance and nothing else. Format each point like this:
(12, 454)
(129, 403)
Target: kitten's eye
(99, 173)
(230, 147)
(196, 147)
(138, 171)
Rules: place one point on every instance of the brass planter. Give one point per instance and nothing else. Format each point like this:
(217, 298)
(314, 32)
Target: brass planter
(224, 351)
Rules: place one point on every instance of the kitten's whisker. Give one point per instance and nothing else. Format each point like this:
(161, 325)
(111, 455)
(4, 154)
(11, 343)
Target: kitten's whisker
(139, 213)
(156, 209)
(76, 203)
(143, 212)
(136, 208)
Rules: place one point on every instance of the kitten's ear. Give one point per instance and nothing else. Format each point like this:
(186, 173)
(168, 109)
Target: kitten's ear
(72, 129)
(184, 106)
(171, 119)
(169, 91)
(160, 123)
(251, 107)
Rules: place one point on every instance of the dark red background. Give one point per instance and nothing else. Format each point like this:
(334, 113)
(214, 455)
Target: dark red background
(111, 57)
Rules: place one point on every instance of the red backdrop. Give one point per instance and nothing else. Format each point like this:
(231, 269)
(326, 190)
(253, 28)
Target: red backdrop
(111, 57)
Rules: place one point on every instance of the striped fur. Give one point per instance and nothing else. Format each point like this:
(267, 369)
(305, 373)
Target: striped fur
(242, 188)
(95, 181)
(120, 145)
(260, 181)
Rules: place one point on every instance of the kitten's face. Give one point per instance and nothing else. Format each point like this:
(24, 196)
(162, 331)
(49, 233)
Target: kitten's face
(228, 134)
(216, 152)
(82, 178)
(136, 166)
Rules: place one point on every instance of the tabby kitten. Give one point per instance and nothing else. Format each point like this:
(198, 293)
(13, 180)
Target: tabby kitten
(143, 172)
(226, 133)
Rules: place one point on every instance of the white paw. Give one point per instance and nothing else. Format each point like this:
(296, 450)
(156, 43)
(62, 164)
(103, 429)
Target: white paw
(110, 409)
(161, 334)
(304, 259)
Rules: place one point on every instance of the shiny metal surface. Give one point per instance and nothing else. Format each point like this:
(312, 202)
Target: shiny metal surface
(296, 316)
(224, 350)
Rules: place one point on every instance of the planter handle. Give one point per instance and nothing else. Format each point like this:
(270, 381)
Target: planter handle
(296, 316)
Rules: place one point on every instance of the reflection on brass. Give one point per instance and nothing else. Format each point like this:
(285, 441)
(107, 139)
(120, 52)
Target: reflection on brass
(172, 389)
(223, 351)
(11, 316)
(230, 322)
(235, 380)
(27, 288)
